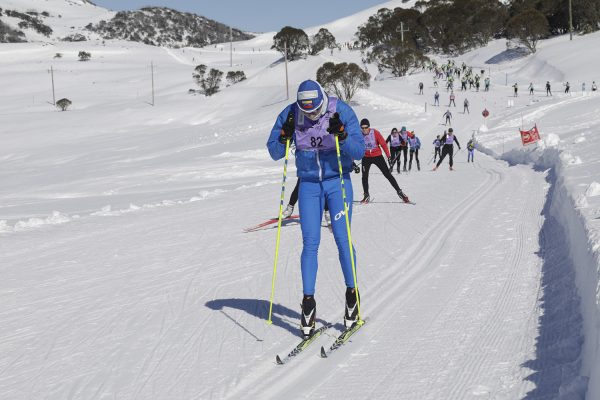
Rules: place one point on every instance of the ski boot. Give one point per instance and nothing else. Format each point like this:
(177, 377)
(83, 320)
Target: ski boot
(403, 197)
(365, 199)
(308, 318)
(351, 309)
(288, 211)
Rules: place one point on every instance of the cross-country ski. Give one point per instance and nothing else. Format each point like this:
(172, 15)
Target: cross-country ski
(267, 223)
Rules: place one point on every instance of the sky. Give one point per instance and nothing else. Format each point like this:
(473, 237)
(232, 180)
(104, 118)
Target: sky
(255, 16)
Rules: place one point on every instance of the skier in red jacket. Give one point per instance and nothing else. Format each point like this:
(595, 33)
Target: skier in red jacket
(374, 142)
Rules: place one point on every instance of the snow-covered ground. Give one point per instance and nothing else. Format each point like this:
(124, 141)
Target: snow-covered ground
(126, 273)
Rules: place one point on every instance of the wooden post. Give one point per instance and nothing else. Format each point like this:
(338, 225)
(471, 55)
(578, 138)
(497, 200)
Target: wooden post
(570, 20)
(402, 33)
(287, 89)
(53, 95)
(152, 70)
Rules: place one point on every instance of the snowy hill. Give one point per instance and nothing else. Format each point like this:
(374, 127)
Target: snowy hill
(127, 274)
(63, 17)
(80, 20)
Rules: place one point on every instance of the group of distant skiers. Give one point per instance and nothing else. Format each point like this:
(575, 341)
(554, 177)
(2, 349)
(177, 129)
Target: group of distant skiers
(567, 86)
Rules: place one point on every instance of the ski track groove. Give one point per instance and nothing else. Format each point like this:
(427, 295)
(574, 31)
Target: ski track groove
(492, 329)
(440, 230)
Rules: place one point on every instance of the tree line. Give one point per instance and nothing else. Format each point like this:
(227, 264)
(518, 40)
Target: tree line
(398, 39)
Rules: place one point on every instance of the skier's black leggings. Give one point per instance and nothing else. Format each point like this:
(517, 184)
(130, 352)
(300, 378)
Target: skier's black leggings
(416, 154)
(395, 155)
(379, 161)
(447, 149)
(404, 150)
(294, 195)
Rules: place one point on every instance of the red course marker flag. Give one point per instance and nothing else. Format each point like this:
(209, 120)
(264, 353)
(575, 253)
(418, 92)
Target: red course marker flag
(530, 136)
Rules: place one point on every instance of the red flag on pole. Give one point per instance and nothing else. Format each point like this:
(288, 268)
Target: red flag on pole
(530, 136)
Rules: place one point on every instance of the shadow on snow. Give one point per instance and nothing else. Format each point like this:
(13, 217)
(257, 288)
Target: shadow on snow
(558, 346)
(282, 317)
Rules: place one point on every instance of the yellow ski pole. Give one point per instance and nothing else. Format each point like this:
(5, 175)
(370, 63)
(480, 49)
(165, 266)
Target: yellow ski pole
(346, 210)
(287, 152)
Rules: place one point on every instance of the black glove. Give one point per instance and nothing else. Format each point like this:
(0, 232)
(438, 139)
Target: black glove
(336, 127)
(390, 161)
(355, 167)
(288, 128)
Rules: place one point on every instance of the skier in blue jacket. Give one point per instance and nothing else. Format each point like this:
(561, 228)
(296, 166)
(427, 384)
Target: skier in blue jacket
(415, 144)
(312, 122)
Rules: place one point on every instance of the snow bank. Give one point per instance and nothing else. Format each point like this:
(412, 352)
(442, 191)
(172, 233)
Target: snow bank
(31, 223)
(583, 243)
(593, 189)
(585, 258)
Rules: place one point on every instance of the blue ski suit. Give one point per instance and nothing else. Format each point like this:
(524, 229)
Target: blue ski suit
(318, 171)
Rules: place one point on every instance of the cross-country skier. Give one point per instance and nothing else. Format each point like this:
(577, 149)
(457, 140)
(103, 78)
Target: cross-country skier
(448, 116)
(395, 141)
(594, 87)
(516, 89)
(374, 142)
(531, 88)
(470, 150)
(403, 146)
(448, 140)
(567, 87)
(548, 91)
(466, 107)
(436, 99)
(452, 97)
(312, 122)
(415, 144)
(437, 144)
(420, 87)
